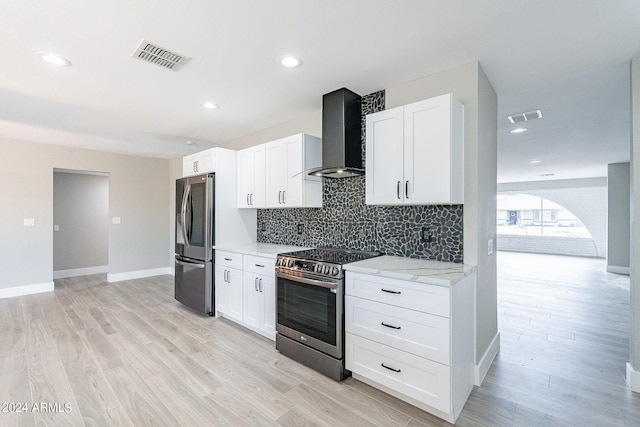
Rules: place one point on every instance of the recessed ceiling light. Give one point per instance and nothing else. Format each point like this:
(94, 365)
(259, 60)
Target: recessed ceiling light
(54, 59)
(190, 143)
(533, 162)
(518, 130)
(291, 61)
(210, 105)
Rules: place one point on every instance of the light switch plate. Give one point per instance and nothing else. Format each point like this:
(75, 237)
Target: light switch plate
(115, 220)
(56, 227)
(29, 222)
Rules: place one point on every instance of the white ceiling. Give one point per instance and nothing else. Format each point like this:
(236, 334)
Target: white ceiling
(569, 58)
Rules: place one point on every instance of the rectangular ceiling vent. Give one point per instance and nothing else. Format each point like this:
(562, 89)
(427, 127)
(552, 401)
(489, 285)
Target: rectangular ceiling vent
(523, 117)
(160, 56)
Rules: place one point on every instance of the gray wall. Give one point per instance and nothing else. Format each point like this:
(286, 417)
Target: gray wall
(619, 217)
(138, 191)
(81, 210)
(634, 342)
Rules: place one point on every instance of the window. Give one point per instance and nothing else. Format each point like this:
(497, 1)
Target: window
(523, 214)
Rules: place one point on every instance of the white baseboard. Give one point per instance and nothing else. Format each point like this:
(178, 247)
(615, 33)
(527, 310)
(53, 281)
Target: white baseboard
(618, 269)
(130, 275)
(482, 368)
(633, 378)
(75, 272)
(17, 291)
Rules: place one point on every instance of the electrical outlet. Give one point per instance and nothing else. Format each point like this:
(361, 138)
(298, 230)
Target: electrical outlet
(426, 235)
(263, 227)
(300, 228)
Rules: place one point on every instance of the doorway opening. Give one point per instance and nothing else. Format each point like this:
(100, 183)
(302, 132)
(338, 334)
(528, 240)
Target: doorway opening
(81, 223)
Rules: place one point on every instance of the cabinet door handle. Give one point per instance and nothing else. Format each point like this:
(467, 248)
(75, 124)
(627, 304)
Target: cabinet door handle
(255, 284)
(390, 326)
(406, 189)
(228, 259)
(260, 284)
(280, 197)
(224, 276)
(398, 190)
(391, 369)
(390, 292)
(251, 198)
(284, 197)
(259, 265)
(248, 203)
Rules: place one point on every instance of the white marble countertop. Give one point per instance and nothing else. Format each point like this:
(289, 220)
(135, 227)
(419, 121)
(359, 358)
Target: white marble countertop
(268, 250)
(418, 270)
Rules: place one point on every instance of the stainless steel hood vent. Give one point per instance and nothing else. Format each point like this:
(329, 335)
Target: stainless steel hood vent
(341, 135)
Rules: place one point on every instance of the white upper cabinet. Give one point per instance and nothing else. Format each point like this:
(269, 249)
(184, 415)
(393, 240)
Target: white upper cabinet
(415, 153)
(251, 177)
(197, 163)
(284, 175)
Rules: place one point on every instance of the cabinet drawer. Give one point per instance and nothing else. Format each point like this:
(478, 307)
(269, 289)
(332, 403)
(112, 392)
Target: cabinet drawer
(422, 334)
(413, 376)
(229, 259)
(418, 296)
(259, 265)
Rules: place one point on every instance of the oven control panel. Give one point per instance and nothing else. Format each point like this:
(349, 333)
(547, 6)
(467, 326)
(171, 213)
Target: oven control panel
(316, 267)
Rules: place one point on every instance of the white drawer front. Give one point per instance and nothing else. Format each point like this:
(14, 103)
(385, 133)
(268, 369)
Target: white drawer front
(418, 333)
(259, 265)
(406, 373)
(402, 293)
(229, 259)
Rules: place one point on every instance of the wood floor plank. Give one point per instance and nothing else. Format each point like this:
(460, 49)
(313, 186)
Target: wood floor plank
(188, 407)
(14, 381)
(37, 335)
(71, 348)
(94, 395)
(50, 386)
(236, 410)
(202, 380)
(105, 353)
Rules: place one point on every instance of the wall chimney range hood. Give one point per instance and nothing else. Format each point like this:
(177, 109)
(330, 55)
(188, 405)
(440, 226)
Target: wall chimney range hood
(341, 135)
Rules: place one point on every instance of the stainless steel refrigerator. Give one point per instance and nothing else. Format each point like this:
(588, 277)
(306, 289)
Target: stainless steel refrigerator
(195, 239)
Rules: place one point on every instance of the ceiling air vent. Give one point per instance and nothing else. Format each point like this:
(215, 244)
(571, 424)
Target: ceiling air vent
(160, 56)
(523, 117)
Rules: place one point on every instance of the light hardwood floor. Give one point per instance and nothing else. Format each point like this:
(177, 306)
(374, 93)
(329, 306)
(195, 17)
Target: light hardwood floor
(127, 354)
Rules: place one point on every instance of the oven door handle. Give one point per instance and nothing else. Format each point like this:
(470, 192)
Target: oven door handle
(308, 281)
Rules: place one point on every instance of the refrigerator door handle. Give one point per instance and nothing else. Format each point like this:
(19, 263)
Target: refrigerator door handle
(183, 214)
(190, 264)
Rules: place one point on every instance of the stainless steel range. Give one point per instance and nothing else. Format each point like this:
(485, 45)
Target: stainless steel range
(310, 307)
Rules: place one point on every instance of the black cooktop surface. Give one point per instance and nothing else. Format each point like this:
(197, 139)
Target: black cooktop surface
(332, 255)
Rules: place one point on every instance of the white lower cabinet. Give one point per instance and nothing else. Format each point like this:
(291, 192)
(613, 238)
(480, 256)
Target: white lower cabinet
(422, 379)
(229, 292)
(260, 295)
(412, 340)
(228, 285)
(245, 291)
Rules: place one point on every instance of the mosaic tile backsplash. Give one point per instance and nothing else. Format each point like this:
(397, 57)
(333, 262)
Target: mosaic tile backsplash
(345, 221)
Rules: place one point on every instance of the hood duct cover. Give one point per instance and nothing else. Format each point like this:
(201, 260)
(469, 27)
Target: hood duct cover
(341, 135)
